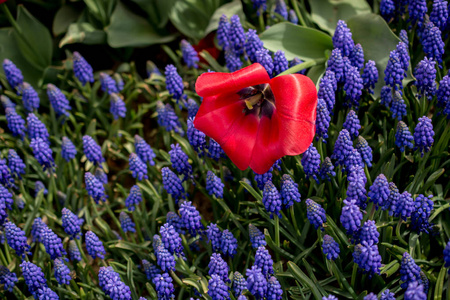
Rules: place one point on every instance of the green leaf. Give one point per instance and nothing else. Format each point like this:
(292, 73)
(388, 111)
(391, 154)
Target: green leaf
(10, 50)
(34, 40)
(326, 13)
(83, 33)
(66, 15)
(130, 30)
(304, 279)
(229, 9)
(377, 40)
(433, 177)
(295, 41)
(188, 17)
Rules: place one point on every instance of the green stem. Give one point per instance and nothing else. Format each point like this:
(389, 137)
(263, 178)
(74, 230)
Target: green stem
(262, 27)
(398, 234)
(177, 279)
(277, 235)
(294, 221)
(302, 66)
(298, 13)
(354, 273)
(10, 18)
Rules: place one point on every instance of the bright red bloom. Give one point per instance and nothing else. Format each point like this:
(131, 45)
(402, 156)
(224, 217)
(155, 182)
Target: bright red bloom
(207, 43)
(255, 119)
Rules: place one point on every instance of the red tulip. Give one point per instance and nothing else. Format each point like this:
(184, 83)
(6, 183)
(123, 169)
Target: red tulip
(255, 119)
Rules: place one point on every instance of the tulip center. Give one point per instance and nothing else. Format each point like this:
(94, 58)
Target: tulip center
(258, 100)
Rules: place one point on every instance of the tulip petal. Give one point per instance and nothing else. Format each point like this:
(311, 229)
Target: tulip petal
(210, 84)
(267, 149)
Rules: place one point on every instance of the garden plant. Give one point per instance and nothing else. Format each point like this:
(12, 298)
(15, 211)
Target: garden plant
(217, 149)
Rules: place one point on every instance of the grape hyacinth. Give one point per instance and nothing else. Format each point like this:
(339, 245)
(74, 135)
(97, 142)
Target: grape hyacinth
(15, 165)
(271, 199)
(402, 50)
(92, 151)
(356, 186)
(274, 290)
(82, 69)
(370, 76)
(256, 282)
(336, 65)
(16, 239)
(387, 295)
(117, 107)
(94, 246)
(315, 214)
(280, 63)
(252, 44)
(353, 86)
(394, 196)
(394, 73)
(215, 151)
(7, 278)
(264, 261)
(239, 283)
(134, 198)
(351, 216)
(189, 54)
(357, 57)
(386, 96)
(150, 270)
(404, 206)
(172, 184)
(260, 6)
(126, 222)
(293, 17)
(15, 122)
(398, 107)
(327, 89)
(217, 289)
(342, 147)
(352, 124)
(289, 191)
(326, 169)
(409, 270)
(175, 220)
(37, 129)
(223, 32)
(30, 97)
(232, 60)
(71, 223)
(52, 243)
(217, 266)
(417, 10)
(214, 235)
(174, 82)
(58, 100)
(108, 84)
(101, 176)
(228, 243)
(236, 35)
(342, 38)
(74, 252)
(263, 57)
(322, 121)
(110, 282)
(13, 74)
(330, 247)
(415, 291)
(422, 211)
(403, 137)
(364, 150)
(423, 135)
(281, 9)
(432, 43)
(387, 9)
(33, 276)
(36, 228)
(195, 137)
(439, 14)
(379, 191)
(68, 150)
(257, 238)
(164, 286)
(214, 185)
(62, 272)
(311, 162)
(179, 161)
(6, 198)
(425, 74)
(192, 108)
(164, 259)
(190, 217)
(42, 153)
(367, 257)
(137, 167)
(94, 188)
(143, 150)
(168, 119)
(171, 239)
(369, 232)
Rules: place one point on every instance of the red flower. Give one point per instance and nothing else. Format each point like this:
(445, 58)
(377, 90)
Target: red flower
(207, 43)
(255, 119)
